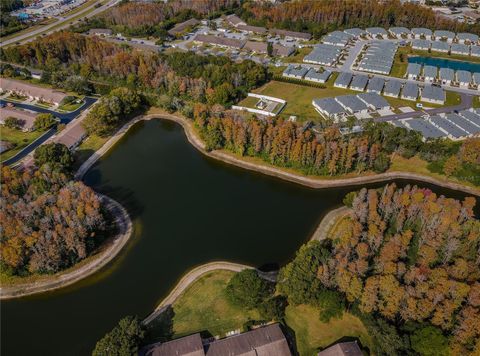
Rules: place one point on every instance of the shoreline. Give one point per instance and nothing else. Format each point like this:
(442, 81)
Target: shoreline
(197, 272)
(264, 168)
(104, 257)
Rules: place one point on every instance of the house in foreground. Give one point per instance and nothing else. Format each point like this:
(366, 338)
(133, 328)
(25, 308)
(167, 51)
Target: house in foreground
(265, 341)
(342, 349)
(25, 118)
(433, 94)
(33, 92)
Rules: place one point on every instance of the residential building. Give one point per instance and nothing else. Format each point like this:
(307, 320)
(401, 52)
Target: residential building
(338, 38)
(451, 130)
(264, 341)
(329, 108)
(430, 73)
(182, 27)
(471, 116)
(399, 32)
(464, 78)
(378, 57)
(440, 46)
(324, 54)
(220, 41)
(467, 38)
(374, 101)
(433, 94)
(421, 45)
(252, 29)
(72, 135)
(446, 76)
(355, 32)
(413, 71)
(234, 20)
(375, 85)
(475, 51)
(462, 49)
(410, 91)
(25, 118)
(301, 36)
(464, 124)
(352, 104)
(318, 76)
(342, 349)
(359, 82)
(343, 80)
(420, 32)
(297, 72)
(31, 91)
(377, 32)
(427, 129)
(392, 88)
(476, 79)
(442, 35)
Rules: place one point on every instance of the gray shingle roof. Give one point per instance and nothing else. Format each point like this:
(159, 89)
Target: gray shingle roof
(463, 123)
(444, 34)
(351, 103)
(410, 90)
(475, 51)
(446, 74)
(414, 69)
(421, 31)
(375, 85)
(425, 128)
(312, 74)
(375, 31)
(458, 48)
(440, 46)
(374, 100)
(421, 44)
(325, 54)
(467, 36)
(392, 87)
(359, 82)
(329, 106)
(449, 127)
(430, 71)
(431, 92)
(343, 79)
(464, 76)
(357, 32)
(297, 71)
(398, 31)
(471, 116)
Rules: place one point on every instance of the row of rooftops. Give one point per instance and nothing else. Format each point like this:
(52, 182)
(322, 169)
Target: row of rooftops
(324, 54)
(238, 23)
(455, 126)
(254, 46)
(310, 74)
(440, 46)
(445, 75)
(378, 58)
(34, 91)
(343, 105)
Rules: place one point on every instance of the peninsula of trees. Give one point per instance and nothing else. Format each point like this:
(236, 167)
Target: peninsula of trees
(407, 261)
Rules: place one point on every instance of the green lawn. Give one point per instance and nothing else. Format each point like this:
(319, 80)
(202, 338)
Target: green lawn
(19, 138)
(299, 55)
(203, 308)
(476, 102)
(91, 144)
(311, 334)
(70, 107)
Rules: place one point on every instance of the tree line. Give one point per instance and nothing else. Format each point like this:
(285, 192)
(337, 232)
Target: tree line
(321, 17)
(71, 57)
(407, 262)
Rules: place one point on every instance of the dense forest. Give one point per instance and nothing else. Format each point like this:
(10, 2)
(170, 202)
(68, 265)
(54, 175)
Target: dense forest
(155, 18)
(407, 261)
(48, 222)
(72, 58)
(10, 24)
(321, 17)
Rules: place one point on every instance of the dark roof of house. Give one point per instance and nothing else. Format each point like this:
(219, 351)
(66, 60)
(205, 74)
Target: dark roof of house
(234, 20)
(342, 349)
(265, 341)
(221, 41)
(182, 26)
(293, 34)
(188, 345)
(256, 29)
(72, 134)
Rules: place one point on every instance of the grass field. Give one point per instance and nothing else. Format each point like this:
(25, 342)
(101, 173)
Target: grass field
(203, 308)
(19, 138)
(311, 334)
(87, 148)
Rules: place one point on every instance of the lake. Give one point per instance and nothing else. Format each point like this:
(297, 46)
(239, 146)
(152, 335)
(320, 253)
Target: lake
(446, 63)
(187, 210)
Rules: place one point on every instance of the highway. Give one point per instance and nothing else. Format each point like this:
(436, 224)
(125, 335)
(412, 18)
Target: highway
(63, 23)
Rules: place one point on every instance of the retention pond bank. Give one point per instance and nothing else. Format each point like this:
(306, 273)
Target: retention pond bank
(187, 210)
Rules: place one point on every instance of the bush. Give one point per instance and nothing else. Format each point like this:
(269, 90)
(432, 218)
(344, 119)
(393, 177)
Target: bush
(123, 340)
(12, 123)
(247, 289)
(273, 308)
(44, 121)
(429, 341)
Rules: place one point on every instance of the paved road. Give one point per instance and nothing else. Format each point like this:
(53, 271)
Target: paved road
(59, 25)
(64, 119)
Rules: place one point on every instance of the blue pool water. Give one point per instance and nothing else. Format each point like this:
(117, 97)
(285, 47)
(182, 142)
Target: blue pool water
(446, 63)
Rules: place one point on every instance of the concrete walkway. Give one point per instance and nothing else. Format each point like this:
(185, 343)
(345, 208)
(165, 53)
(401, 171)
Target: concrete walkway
(102, 258)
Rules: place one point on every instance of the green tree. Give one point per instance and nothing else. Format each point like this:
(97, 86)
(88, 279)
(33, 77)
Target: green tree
(348, 199)
(44, 121)
(123, 340)
(56, 155)
(247, 289)
(429, 341)
(332, 305)
(270, 49)
(381, 163)
(273, 308)
(12, 122)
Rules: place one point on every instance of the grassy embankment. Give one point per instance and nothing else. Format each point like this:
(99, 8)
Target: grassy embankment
(204, 308)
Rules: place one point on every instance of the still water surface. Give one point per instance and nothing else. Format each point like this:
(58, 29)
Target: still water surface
(446, 63)
(187, 210)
